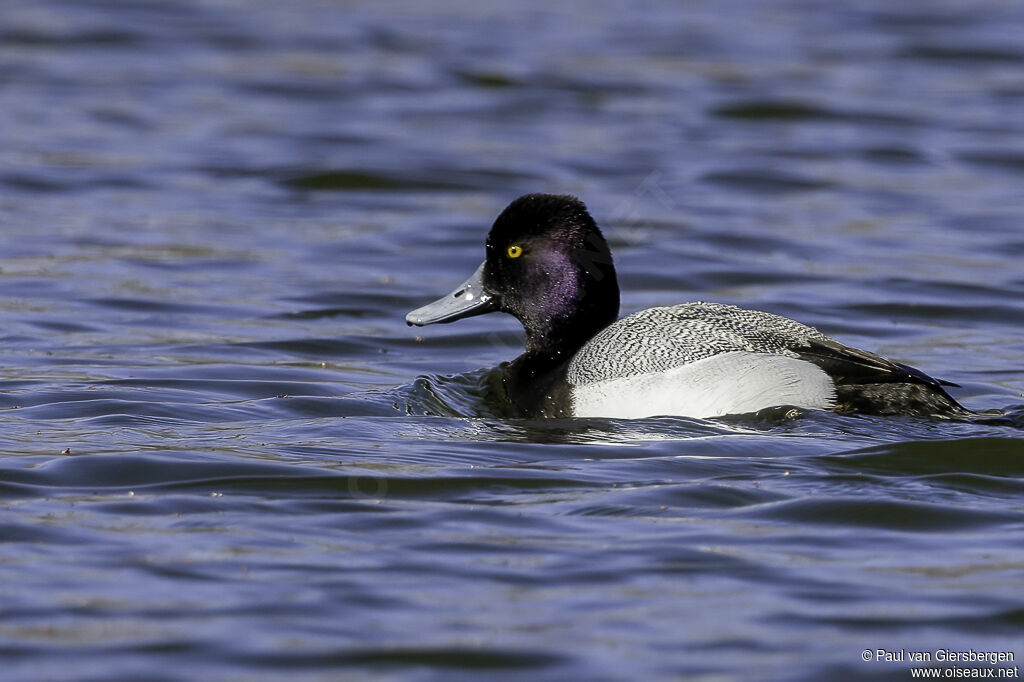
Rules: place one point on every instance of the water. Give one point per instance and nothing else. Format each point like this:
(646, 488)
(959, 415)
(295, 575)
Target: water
(226, 457)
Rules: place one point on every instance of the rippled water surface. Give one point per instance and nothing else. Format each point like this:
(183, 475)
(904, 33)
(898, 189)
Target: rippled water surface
(224, 455)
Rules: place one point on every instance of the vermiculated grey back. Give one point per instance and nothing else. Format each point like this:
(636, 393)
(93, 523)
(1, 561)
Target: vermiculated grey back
(658, 339)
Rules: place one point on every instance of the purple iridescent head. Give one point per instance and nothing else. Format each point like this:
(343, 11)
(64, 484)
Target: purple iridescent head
(549, 266)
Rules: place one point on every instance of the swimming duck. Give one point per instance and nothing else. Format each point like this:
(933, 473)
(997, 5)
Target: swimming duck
(548, 264)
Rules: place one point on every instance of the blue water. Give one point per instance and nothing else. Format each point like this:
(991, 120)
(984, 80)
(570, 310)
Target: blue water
(224, 456)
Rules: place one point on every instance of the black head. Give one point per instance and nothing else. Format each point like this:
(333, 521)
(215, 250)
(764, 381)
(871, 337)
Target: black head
(547, 264)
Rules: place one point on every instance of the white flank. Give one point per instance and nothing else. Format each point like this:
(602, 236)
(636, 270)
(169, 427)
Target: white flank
(730, 383)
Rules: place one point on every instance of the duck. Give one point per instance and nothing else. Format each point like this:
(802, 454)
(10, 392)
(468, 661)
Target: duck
(548, 264)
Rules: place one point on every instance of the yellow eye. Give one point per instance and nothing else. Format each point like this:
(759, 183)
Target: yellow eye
(514, 251)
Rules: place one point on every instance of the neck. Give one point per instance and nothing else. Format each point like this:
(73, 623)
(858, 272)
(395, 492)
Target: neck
(552, 342)
(533, 379)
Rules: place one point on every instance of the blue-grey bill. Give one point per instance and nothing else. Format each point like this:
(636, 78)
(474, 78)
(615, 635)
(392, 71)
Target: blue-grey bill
(468, 299)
